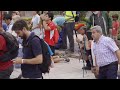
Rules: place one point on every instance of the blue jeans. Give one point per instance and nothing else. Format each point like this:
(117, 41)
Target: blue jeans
(109, 71)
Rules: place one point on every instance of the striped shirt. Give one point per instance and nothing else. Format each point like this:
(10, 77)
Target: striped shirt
(104, 51)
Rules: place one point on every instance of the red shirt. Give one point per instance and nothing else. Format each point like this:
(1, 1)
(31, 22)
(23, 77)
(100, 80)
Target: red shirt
(4, 65)
(115, 26)
(50, 41)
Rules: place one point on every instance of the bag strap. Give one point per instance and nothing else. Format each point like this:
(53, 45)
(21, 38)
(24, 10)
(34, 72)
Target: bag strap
(73, 14)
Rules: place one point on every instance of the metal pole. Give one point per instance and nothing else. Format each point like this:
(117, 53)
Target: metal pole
(81, 53)
(0, 18)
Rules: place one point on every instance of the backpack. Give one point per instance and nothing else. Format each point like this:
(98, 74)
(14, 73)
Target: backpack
(45, 66)
(56, 36)
(12, 47)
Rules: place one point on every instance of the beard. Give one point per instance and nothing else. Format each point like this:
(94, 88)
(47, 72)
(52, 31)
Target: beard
(24, 37)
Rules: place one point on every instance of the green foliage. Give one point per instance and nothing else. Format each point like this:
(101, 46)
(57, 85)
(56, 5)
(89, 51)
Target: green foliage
(118, 36)
(115, 12)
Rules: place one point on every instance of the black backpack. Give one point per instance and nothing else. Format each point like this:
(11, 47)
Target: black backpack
(45, 66)
(12, 47)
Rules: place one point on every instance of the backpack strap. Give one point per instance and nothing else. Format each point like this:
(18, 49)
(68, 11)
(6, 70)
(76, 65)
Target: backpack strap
(29, 42)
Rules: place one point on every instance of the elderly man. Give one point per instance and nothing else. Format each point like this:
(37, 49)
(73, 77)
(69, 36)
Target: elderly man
(107, 54)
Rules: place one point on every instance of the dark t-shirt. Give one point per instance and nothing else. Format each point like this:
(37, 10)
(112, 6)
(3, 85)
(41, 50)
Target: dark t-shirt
(31, 50)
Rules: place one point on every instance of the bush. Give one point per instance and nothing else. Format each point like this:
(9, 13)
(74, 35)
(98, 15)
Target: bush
(118, 36)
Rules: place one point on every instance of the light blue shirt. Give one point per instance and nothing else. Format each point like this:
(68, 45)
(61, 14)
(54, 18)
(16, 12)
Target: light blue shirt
(49, 49)
(59, 20)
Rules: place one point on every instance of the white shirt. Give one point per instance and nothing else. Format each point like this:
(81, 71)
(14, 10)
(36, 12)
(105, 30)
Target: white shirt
(35, 22)
(10, 30)
(93, 56)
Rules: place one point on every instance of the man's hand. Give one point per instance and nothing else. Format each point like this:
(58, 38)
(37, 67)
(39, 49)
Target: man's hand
(95, 70)
(17, 61)
(42, 16)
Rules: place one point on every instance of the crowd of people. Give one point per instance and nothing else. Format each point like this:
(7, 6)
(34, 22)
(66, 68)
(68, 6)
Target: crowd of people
(98, 45)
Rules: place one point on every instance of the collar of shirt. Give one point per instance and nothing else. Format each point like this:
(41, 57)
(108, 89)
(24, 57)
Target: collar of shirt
(99, 39)
(30, 36)
(10, 24)
(100, 14)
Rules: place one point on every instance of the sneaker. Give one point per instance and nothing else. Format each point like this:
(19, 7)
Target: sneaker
(67, 60)
(87, 68)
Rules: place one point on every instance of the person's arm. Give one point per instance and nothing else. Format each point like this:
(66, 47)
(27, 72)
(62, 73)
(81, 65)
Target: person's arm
(78, 40)
(89, 23)
(38, 21)
(87, 43)
(109, 21)
(46, 27)
(118, 55)
(38, 26)
(94, 53)
(37, 60)
(112, 46)
(96, 62)
(37, 51)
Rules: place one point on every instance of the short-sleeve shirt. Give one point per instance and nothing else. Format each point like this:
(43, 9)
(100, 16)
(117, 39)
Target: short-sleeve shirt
(30, 51)
(59, 20)
(105, 50)
(49, 34)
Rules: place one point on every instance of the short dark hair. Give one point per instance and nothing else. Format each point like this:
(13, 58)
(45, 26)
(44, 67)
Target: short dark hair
(7, 17)
(37, 12)
(51, 15)
(19, 25)
(115, 16)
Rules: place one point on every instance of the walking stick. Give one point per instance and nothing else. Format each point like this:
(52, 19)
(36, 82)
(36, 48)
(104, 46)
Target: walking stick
(81, 54)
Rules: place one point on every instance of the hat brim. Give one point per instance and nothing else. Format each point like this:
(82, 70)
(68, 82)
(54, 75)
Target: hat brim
(82, 28)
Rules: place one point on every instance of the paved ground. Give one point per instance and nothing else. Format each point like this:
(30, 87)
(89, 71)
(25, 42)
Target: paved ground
(63, 70)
